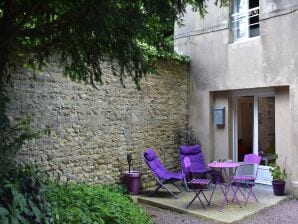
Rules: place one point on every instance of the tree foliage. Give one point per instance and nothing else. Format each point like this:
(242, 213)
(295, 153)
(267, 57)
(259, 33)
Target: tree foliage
(23, 197)
(82, 33)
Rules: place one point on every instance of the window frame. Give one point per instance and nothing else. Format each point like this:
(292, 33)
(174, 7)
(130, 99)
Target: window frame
(243, 15)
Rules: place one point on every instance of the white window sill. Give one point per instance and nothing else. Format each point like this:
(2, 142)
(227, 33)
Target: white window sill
(245, 40)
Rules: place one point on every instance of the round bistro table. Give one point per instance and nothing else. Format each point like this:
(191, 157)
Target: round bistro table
(225, 187)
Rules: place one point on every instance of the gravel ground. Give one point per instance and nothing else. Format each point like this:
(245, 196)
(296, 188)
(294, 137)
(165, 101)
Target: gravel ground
(283, 213)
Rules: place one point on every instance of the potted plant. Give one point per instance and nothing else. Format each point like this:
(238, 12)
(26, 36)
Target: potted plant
(279, 176)
(132, 179)
(186, 136)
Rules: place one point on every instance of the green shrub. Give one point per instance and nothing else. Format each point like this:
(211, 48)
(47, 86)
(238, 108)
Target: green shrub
(22, 188)
(277, 173)
(187, 136)
(82, 204)
(22, 197)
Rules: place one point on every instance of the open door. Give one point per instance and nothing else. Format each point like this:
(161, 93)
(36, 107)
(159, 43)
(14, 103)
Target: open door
(255, 132)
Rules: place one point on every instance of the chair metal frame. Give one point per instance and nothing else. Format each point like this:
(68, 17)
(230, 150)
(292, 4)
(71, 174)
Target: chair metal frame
(162, 185)
(161, 181)
(198, 185)
(247, 180)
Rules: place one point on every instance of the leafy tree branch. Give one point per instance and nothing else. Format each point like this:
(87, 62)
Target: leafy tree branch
(80, 33)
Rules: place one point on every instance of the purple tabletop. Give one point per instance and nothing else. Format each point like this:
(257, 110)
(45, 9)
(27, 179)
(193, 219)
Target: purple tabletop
(223, 165)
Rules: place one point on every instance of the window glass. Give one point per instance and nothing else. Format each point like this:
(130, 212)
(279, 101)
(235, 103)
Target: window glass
(245, 19)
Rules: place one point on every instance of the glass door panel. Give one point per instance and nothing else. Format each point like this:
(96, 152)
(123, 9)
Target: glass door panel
(266, 137)
(266, 127)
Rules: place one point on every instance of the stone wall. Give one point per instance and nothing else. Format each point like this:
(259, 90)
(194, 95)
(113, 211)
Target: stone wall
(93, 130)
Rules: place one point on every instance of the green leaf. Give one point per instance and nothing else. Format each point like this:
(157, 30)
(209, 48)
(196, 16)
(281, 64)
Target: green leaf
(3, 212)
(35, 210)
(14, 220)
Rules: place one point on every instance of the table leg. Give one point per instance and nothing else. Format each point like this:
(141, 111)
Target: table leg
(227, 190)
(222, 190)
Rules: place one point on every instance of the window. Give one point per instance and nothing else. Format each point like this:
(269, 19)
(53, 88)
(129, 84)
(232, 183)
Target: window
(245, 19)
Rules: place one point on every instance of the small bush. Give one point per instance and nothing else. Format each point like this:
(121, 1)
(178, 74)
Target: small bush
(82, 204)
(22, 188)
(186, 136)
(22, 197)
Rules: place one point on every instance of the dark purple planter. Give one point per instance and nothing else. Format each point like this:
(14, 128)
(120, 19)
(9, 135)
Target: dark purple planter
(216, 176)
(132, 182)
(278, 187)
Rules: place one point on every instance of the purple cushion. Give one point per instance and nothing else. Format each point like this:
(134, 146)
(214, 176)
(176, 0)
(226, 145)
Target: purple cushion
(244, 177)
(190, 149)
(200, 181)
(149, 154)
(158, 169)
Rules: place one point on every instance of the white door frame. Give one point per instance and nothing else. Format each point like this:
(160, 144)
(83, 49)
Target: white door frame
(256, 93)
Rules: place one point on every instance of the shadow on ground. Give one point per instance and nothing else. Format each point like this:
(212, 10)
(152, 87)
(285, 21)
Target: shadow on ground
(230, 213)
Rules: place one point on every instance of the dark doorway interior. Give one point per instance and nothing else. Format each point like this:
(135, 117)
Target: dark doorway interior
(245, 110)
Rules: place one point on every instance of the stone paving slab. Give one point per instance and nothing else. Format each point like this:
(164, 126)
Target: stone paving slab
(230, 213)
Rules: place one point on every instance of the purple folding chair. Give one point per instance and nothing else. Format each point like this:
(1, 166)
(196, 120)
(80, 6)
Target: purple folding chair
(247, 181)
(198, 185)
(161, 174)
(196, 162)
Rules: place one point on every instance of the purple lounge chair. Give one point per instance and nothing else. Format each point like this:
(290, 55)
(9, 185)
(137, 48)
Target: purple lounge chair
(247, 181)
(196, 163)
(162, 175)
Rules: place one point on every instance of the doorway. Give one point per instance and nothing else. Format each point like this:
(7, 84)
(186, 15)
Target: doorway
(254, 130)
(245, 115)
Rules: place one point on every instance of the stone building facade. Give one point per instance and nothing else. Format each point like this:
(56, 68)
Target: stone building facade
(92, 130)
(243, 56)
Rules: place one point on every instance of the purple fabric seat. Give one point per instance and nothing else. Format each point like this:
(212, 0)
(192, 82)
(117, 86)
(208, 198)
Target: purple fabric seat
(196, 160)
(247, 180)
(161, 174)
(244, 178)
(200, 181)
